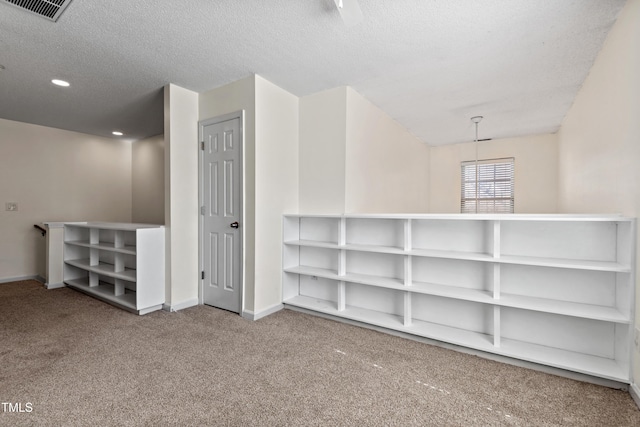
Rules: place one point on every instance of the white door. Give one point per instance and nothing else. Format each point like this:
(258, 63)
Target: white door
(221, 144)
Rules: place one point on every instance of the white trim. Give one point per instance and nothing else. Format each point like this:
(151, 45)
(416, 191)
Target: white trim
(240, 115)
(55, 285)
(22, 278)
(181, 305)
(466, 217)
(634, 391)
(54, 224)
(250, 315)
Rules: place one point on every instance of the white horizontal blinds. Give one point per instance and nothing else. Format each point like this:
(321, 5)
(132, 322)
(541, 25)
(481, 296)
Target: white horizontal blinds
(494, 186)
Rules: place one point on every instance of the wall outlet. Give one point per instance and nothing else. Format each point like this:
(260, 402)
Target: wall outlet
(12, 206)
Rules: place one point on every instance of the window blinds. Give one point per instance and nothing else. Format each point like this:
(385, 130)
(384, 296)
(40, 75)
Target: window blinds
(493, 186)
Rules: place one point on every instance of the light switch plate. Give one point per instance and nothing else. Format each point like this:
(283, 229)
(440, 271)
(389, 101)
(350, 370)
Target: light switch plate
(12, 206)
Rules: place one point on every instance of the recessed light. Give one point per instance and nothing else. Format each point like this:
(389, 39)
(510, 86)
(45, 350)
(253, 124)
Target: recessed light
(117, 133)
(60, 83)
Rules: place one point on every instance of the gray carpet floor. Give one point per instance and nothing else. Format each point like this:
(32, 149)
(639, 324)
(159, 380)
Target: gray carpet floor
(80, 362)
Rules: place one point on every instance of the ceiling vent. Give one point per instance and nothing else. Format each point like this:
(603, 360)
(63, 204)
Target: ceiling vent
(50, 9)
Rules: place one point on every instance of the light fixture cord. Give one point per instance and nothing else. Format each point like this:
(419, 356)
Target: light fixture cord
(477, 177)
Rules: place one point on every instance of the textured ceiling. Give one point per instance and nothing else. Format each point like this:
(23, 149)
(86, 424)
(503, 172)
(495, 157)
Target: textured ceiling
(431, 65)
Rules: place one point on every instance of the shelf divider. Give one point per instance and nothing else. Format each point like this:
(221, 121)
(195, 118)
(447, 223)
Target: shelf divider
(118, 241)
(94, 257)
(496, 326)
(342, 298)
(94, 279)
(119, 263)
(94, 236)
(496, 239)
(408, 276)
(407, 309)
(496, 281)
(407, 235)
(118, 288)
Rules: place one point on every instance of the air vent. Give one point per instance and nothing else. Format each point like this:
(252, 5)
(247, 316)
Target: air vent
(50, 9)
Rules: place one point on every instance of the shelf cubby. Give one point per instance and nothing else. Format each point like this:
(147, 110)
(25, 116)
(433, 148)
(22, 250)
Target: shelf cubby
(377, 234)
(471, 316)
(322, 258)
(319, 229)
(385, 266)
(374, 298)
(470, 237)
(556, 240)
(587, 336)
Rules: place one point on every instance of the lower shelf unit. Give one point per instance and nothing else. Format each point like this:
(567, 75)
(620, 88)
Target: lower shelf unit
(564, 303)
(119, 263)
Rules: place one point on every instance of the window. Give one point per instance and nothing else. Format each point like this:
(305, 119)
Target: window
(492, 191)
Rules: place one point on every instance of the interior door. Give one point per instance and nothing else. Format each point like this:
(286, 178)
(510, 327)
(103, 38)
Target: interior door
(221, 144)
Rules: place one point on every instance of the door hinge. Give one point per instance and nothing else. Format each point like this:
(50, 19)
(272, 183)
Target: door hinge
(202, 210)
(202, 145)
(202, 275)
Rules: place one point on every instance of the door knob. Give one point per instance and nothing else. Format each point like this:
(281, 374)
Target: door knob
(235, 224)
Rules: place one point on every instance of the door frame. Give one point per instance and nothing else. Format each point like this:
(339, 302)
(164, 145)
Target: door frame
(201, 124)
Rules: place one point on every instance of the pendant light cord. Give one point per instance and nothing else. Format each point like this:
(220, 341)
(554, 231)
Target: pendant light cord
(476, 120)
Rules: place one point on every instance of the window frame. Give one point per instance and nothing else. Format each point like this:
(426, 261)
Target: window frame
(494, 179)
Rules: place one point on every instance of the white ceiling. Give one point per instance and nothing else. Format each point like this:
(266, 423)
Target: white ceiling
(429, 64)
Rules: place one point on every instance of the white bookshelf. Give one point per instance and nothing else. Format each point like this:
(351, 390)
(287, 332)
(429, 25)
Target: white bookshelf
(119, 263)
(556, 290)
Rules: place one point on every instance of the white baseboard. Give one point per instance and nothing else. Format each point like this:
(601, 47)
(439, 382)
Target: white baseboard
(250, 315)
(55, 285)
(634, 391)
(19, 279)
(180, 305)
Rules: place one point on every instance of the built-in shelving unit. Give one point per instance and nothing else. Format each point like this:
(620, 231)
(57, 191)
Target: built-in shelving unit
(122, 264)
(556, 290)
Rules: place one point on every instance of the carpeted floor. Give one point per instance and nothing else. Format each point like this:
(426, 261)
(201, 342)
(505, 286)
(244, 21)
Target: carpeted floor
(80, 362)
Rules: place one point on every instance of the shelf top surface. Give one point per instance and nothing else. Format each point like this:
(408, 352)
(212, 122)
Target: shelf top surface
(54, 224)
(502, 217)
(113, 225)
(478, 217)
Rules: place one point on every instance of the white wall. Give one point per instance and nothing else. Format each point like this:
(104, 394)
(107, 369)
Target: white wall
(387, 168)
(147, 175)
(355, 158)
(323, 133)
(599, 149)
(535, 174)
(270, 178)
(237, 96)
(181, 196)
(276, 183)
(56, 175)
(599, 145)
